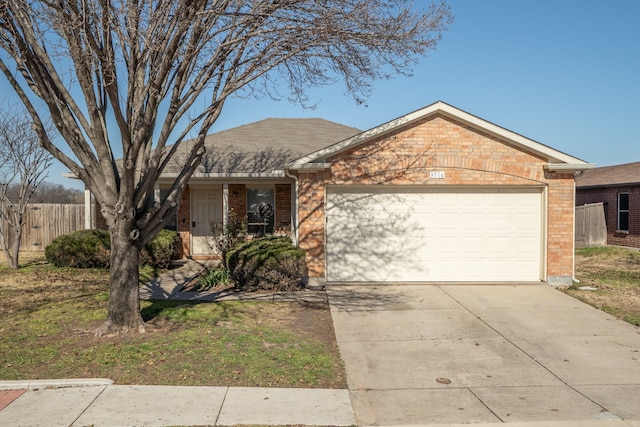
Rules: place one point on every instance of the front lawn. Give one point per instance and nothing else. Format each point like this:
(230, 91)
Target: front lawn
(48, 315)
(615, 273)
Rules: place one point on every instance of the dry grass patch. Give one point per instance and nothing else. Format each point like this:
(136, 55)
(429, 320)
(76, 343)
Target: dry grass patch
(49, 314)
(615, 273)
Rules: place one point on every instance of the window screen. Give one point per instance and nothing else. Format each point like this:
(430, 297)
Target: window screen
(257, 197)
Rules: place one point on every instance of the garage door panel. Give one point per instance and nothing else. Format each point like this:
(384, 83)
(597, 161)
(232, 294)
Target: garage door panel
(446, 235)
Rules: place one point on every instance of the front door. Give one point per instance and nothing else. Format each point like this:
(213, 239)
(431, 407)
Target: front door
(206, 207)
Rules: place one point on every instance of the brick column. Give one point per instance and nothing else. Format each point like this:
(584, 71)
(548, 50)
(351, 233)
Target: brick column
(238, 200)
(311, 232)
(560, 228)
(283, 207)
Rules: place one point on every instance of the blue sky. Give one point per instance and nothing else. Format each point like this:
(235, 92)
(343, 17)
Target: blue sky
(565, 73)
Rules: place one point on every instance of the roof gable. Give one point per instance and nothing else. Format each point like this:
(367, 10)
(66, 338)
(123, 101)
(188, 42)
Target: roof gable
(557, 159)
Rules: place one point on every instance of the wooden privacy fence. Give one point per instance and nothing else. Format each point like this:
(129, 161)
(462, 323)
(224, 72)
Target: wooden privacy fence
(44, 222)
(591, 228)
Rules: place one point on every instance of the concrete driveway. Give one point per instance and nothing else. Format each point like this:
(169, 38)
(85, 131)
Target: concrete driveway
(456, 354)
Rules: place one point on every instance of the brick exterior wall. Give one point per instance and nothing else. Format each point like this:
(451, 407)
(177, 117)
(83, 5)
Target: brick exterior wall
(311, 220)
(609, 196)
(560, 231)
(101, 221)
(283, 208)
(238, 199)
(468, 158)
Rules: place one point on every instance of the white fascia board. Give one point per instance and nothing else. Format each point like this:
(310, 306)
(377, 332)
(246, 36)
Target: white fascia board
(232, 175)
(440, 107)
(308, 167)
(569, 167)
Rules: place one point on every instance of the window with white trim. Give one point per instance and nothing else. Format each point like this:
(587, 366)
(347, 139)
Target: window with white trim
(623, 211)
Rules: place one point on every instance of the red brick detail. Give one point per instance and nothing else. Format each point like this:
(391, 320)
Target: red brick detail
(609, 196)
(283, 207)
(184, 221)
(238, 199)
(560, 231)
(8, 396)
(467, 156)
(101, 222)
(311, 220)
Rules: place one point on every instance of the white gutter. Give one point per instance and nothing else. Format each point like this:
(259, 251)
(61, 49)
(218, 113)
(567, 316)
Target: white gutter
(270, 174)
(569, 167)
(307, 167)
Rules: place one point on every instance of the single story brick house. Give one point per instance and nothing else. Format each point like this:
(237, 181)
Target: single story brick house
(437, 195)
(618, 188)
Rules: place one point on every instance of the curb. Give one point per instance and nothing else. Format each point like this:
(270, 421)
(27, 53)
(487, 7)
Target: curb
(44, 384)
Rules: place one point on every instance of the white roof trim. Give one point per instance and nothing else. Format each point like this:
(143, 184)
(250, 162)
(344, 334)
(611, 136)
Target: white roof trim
(568, 167)
(308, 166)
(270, 174)
(553, 156)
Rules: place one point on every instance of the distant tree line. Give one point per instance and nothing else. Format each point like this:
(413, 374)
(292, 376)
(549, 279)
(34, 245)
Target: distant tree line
(48, 192)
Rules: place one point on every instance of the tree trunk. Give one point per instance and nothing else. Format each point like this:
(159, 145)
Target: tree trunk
(12, 249)
(15, 250)
(11, 261)
(124, 293)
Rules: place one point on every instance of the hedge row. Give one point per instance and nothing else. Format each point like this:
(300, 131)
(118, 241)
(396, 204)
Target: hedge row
(92, 249)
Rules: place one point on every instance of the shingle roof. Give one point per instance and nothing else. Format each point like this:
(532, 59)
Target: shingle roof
(607, 176)
(264, 145)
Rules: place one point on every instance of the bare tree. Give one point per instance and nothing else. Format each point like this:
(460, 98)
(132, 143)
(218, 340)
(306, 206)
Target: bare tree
(135, 78)
(23, 167)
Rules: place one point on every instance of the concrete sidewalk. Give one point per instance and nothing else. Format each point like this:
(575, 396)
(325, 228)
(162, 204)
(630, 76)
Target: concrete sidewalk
(99, 403)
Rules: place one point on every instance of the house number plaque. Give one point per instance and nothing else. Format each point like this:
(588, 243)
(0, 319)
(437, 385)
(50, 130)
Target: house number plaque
(436, 174)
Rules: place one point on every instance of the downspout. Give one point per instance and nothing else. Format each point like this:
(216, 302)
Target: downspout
(294, 207)
(575, 175)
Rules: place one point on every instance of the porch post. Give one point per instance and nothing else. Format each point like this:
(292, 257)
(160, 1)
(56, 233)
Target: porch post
(87, 209)
(156, 193)
(225, 204)
(294, 212)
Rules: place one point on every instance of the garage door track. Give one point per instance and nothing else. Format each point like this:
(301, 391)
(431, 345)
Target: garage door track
(449, 354)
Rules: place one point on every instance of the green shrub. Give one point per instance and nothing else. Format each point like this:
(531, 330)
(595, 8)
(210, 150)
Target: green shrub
(82, 249)
(213, 278)
(92, 249)
(161, 250)
(226, 236)
(268, 263)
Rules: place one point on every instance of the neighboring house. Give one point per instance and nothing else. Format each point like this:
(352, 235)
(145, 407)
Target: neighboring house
(438, 195)
(618, 188)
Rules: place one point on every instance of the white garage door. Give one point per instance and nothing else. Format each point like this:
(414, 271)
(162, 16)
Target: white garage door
(406, 234)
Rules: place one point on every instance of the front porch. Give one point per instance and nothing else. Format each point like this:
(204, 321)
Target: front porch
(204, 203)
